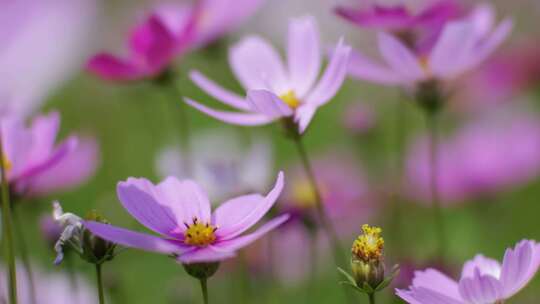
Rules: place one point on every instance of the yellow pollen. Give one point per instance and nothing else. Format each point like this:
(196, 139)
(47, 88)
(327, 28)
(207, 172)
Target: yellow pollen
(369, 245)
(290, 99)
(304, 194)
(199, 234)
(6, 163)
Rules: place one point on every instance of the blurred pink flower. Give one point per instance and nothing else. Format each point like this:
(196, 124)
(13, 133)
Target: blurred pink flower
(172, 30)
(35, 165)
(42, 43)
(461, 45)
(512, 72)
(57, 287)
(359, 118)
(273, 91)
(485, 156)
(483, 280)
(180, 212)
(231, 170)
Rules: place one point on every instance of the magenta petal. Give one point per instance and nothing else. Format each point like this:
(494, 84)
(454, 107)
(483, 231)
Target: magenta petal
(219, 93)
(237, 243)
(113, 68)
(134, 239)
(75, 168)
(258, 210)
(333, 76)
(268, 104)
(140, 198)
(205, 254)
(153, 42)
(244, 119)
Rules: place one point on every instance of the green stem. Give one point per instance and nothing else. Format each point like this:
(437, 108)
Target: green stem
(8, 228)
(204, 290)
(431, 120)
(100, 284)
(371, 298)
(24, 255)
(321, 214)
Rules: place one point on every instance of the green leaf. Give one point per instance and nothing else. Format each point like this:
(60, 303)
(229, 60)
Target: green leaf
(347, 276)
(353, 286)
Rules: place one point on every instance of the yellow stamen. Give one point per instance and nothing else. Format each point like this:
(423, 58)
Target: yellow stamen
(199, 234)
(6, 163)
(303, 194)
(290, 99)
(369, 245)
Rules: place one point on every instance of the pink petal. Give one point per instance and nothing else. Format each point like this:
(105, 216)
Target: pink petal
(493, 41)
(421, 295)
(400, 58)
(236, 209)
(268, 104)
(333, 76)
(204, 254)
(303, 116)
(433, 279)
(245, 119)
(44, 130)
(141, 199)
(519, 267)
(185, 199)
(257, 65)
(303, 54)
(480, 289)
(251, 210)
(486, 266)
(153, 42)
(110, 67)
(364, 68)
(219, 93)
(237, 243)
(75, 168)
(134, 239)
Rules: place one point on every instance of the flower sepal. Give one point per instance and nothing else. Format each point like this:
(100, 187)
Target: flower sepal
(201, 271)
(364, 287)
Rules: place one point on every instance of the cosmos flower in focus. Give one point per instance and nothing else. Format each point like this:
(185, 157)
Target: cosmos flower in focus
(461, 45)
(483, 280)
(168, 32)
(487, 155)
(54, 287)
(233, 169)
(181, 213)
(35, 165)
(61, 31)
(276, 91)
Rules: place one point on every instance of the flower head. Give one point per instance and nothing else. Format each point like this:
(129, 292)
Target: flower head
(35, 165)
(483, 280)
(180, 212)
(461, 45)
(273, 90)
(369, 245)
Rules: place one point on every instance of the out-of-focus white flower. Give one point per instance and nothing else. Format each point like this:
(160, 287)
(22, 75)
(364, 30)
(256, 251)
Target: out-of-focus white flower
(221, 163)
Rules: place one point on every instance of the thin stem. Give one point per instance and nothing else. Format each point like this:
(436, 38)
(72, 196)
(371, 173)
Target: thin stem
(321, 214)
(431, 120)
(204, 290)
(8, 228)
(371, 298)
(24, 255)
(100, 284)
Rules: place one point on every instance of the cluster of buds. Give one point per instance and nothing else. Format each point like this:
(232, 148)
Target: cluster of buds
(367, 263)
(90, 248)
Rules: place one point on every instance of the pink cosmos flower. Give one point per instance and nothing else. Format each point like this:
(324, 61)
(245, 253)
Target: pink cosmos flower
(483, 280)
(35, 165)
(399, 18)
(170, 31)
(491, 154)
(461, 45)
(273, 91)
(180, 212)
(49, 288)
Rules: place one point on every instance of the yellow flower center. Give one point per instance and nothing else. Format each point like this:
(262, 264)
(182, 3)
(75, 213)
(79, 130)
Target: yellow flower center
(304, 194)
(290, 99)
(369, 245)
(6, 163)
(199, 234)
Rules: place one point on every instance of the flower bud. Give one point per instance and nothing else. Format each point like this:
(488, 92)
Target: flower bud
(367, 263)
(95, 249)
(201, 271)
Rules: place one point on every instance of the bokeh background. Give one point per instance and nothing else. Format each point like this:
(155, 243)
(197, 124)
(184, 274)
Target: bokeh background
(134, 122)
